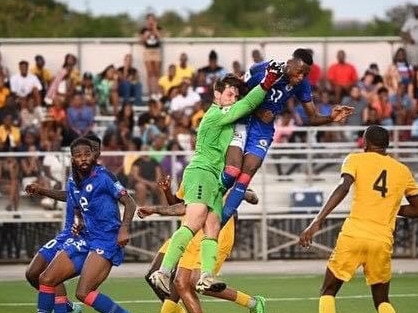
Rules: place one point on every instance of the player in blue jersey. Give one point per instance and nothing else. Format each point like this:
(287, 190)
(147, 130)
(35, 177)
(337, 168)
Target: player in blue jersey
(95, 193)
(254, 135)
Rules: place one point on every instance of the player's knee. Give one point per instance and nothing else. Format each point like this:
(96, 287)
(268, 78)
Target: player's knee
(47, 280)
(32, 277)
(181, 285)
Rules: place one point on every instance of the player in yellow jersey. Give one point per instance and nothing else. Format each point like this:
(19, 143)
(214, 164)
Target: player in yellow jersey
(366, 238)
(188, 268)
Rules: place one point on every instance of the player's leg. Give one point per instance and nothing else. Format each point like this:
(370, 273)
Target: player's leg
(155, 265)
(330, 287)
(380, 293)
(36, 266)
(95, 270)
(186, 290)
(60, 269)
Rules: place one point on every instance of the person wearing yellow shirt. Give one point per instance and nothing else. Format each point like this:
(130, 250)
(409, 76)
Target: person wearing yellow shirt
(4, 92)
(366, 237)
(184, 70)
(9, 134)
(166, 82)
(43, 74)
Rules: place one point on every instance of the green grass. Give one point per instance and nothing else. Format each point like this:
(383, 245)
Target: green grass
(285, 294)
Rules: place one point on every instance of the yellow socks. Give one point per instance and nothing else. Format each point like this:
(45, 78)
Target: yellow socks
(327, 304)
(243, 299)
(386, 307)
(171, 307)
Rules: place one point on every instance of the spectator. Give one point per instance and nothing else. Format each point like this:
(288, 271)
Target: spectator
(367, 87)
(183, 133)
(145, 173)
(10, 135)
(30, 115)
(237, 69)
(184, 102)
(4, 92)
(409, 33)
(315, 73)
(9, 179)
(341, 76)
(213, 70)
(114, 163)
(358, 117)
(43, 74)
(65, 81)
(184, 70)
(106, 86)
(378, 79)
(151, 40)
(80, 117)
(57, 111)
(399, 72)
(201, 86)
(383, 107)
(147, 121)
(127, 114)
(403, 106)
(88, 90)
(134, 145)
(157, 149)
(130, 87)
(169, 80)
(24, 84)
(4, 71)
(257, 56)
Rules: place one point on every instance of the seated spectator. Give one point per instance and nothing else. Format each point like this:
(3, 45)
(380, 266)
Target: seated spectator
(65, 81)
(237, 69)
(30, 115)
(147, 121)
(403, 106)
(130, 87)
(4, 93)
(357, 118)
(57, 111)
(114, 163)
(184, 102)
(183, 69)
(4, 72)
(315, 73)
(183, 133)
(213, 70)
(341, 76)
(80, 117)
(24, 84)
(399, 72)
(106, 85)
(10, 135)
(127, 114)
(201, 86)
(168, 80)
(157, 149)
(43, 74)
(197, 115)
(88, 90)
(134, 145)
(383, 107)
(367, 87)
(257, 56)
(145, 172)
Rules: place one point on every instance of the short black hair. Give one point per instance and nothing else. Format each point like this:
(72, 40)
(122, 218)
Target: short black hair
(304, 55)
(95, 138)
(377, 136)
(23, 62)
(80, 141)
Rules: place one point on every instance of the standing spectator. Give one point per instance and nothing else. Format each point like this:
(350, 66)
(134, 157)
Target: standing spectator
(24, 84)
(315, 73)
(107, 91)
(257, 56)
(213, 70)
(169, 80)
(43, 74)
(80, 117)
(151, 39)
(184, 70)
(341, 76)
(409, 33)
(129, 83)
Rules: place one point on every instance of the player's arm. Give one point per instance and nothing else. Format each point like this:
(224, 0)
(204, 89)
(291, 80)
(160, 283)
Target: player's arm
(339, 113)
(178, 209)
(37, 190)
(164, 182)
(337, 195)
(128, 214)
(411, 209)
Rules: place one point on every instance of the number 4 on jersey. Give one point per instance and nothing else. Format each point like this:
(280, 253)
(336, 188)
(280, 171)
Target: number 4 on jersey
(380, 184)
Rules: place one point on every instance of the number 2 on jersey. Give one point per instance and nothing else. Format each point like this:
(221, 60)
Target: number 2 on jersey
(380, 184)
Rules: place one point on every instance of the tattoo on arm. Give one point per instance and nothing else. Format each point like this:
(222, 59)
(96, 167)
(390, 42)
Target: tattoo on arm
(177, 209)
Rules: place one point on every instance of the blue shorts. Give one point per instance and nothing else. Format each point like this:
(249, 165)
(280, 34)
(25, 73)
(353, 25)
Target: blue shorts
(51, 248)
(77, 250)
(259, 139)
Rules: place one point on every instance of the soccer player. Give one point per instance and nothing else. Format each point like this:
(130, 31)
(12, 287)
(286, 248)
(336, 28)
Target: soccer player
(48, 251)
(366, 238)
(253, 136)
(96, 193)
(188, 268)
(203, 191)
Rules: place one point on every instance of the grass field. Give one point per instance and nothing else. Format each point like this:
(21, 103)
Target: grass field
(285, 294)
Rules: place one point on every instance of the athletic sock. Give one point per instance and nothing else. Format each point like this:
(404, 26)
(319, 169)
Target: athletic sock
(235, 197)
(178, 243)
(209, 252)
(386, 307)
(46, 299)
(327, 304)
(103, 303)
(170, 306)
(244, 300)
(60, 304)
(229, 175)
(69, 306)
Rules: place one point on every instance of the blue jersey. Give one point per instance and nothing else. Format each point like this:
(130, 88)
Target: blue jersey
(97, 198)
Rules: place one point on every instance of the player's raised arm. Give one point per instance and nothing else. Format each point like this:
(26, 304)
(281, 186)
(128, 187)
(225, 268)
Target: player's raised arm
(37, 190)
(243, 107)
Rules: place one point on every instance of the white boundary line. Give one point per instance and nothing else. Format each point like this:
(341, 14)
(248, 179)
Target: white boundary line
(405, 295)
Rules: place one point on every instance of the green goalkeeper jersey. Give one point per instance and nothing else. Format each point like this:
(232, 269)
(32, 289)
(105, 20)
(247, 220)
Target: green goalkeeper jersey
(216, 131)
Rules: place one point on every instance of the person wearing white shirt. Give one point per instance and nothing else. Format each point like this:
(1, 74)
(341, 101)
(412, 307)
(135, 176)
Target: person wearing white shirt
(185, 101)
(409, 33)
(24, 84)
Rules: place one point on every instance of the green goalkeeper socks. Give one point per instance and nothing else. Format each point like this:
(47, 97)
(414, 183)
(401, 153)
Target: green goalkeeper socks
(208, 253)
(179, 241)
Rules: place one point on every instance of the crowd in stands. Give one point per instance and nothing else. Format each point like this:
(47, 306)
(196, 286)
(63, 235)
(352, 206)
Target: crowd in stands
(44, 111)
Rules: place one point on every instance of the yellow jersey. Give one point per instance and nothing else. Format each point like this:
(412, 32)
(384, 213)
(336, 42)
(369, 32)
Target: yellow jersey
(380, 183)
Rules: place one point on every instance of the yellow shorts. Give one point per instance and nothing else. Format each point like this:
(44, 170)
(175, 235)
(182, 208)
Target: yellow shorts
(191, 257)
(350, 253)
